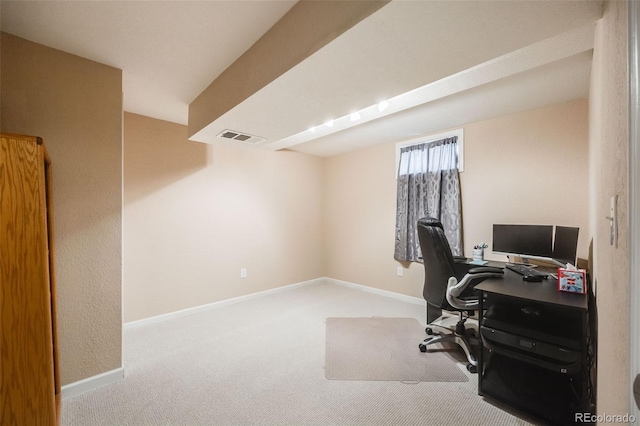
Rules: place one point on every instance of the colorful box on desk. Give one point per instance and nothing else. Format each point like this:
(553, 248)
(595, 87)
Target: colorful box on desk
(572, 280)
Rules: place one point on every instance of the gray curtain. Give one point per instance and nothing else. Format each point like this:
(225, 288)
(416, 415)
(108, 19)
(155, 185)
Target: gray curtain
(428, 185)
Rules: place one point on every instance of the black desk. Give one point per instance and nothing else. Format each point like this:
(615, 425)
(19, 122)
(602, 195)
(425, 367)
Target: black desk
(545, 291)
(534, 352)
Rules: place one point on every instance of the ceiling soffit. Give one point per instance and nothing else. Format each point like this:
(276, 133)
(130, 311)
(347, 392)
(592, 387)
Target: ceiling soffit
(561, 81)
(438, 47)
(307, 27)
(545, 53)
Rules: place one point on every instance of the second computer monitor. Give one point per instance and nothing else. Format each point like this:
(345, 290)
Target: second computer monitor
(565, 244)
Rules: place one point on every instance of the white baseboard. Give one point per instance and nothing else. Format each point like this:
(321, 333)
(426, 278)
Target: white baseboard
(393, 295)
(91, 383)
(209, 306)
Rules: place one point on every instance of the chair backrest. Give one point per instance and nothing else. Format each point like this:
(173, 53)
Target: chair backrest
(438, 261)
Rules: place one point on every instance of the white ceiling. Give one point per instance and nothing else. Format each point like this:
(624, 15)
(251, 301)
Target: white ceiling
(459, 61)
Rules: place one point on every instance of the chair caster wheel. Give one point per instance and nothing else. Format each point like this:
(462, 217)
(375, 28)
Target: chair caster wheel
(473, 369)
(423, 347)
(429, 331)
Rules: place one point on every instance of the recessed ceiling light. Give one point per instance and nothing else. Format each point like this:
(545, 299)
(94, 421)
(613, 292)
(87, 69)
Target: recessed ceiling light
(355, 116)
(328, 123)
(383, 105)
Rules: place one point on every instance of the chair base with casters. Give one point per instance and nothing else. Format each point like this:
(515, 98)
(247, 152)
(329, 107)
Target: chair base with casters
(459, 335)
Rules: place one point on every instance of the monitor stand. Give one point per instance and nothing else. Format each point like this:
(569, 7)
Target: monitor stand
(525, 262)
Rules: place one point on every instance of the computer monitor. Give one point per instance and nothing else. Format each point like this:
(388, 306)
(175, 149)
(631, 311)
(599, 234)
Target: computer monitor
(526, 241)
(557, 244)
(565, 245)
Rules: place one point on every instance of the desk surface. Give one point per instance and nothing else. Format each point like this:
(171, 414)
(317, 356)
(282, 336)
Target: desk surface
(545, 291)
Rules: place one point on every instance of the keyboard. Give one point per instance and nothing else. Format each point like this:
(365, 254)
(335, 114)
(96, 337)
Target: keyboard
(525, 270)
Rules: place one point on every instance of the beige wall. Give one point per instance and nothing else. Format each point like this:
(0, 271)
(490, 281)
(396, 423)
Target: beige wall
(75, 105)
(360, 205)
(194, 214)
(608, 109)
(530, 167)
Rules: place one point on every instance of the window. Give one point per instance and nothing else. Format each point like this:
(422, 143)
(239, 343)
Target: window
(459, 134)
(428, 185)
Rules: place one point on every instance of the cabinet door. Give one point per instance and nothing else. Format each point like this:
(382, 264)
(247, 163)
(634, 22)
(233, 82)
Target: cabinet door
(26, 345)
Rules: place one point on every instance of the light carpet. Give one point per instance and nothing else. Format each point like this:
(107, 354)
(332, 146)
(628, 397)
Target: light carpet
(384, 349)
(260, 362)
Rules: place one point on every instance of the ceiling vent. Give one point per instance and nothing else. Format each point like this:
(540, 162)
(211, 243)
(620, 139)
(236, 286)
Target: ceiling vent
(239, 136)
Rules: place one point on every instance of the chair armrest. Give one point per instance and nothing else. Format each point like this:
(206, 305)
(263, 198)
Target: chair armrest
(455, 288)
(482, 269)
(459, 259)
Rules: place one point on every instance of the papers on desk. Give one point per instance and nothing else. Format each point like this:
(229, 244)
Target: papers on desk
(478, 262)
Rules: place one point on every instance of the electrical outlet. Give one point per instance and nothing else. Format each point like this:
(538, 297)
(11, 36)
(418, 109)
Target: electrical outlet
(400, 271)
(243, 272)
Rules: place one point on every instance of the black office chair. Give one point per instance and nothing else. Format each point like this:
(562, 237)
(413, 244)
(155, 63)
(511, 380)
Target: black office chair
(448, 285)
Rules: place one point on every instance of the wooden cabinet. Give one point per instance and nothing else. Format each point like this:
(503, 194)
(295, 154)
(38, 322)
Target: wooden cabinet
(29, 372)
